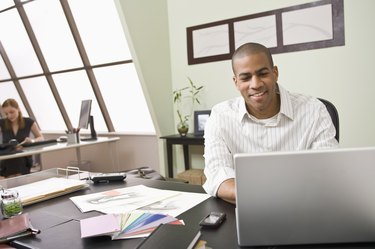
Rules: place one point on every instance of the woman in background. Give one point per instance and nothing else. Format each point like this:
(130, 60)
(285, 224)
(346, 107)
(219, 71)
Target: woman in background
(15, 126)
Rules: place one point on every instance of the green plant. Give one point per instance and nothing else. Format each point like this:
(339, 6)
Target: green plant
(189, 93)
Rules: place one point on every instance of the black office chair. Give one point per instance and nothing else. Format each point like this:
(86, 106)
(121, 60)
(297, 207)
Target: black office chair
(334, 116)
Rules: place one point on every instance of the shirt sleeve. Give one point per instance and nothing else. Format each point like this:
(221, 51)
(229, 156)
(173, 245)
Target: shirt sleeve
(218, 158)
(325, 132)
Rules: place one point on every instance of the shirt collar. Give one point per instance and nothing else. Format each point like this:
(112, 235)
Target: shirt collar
(285, 106)
(286, 103)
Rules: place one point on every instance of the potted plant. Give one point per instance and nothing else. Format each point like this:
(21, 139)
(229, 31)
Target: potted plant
(188, 95)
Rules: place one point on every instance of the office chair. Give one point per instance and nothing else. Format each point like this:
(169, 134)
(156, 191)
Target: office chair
(334, 116)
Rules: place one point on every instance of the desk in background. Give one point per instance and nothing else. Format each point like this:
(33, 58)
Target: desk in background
(29, 151)
(189, 139)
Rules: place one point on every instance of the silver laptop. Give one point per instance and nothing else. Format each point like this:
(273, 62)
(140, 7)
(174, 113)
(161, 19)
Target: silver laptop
(305, 197)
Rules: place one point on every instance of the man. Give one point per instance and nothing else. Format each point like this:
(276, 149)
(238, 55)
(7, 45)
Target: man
(265, 118)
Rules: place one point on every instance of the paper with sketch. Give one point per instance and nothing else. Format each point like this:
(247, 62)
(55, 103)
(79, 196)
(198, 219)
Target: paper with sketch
(126, 199)
(140, 198)
(174, 205)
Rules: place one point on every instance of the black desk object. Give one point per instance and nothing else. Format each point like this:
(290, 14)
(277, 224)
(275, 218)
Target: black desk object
(42, 142)
(58, 220)
(189, 139)
(164, 237)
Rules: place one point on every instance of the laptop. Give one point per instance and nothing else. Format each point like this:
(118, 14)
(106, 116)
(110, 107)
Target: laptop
(305, 197)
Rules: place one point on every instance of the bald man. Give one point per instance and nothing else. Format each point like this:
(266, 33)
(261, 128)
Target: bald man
(265, 118)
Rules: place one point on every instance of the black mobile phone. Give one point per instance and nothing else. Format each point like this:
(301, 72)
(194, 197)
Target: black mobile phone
(214, 219)
(108, 177)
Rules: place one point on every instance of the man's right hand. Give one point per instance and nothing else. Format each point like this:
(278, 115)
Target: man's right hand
(227, 191)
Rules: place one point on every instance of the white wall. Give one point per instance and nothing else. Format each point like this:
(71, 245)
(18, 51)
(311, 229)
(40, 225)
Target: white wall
(340, 74)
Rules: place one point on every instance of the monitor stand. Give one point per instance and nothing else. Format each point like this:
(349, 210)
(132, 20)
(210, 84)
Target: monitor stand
(92, 129)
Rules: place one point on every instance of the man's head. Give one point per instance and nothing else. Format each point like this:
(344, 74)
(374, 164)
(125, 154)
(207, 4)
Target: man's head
(255, 77)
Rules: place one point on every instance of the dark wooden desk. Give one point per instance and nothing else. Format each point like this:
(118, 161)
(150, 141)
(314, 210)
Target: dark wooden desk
(58, 220)
(189, 139)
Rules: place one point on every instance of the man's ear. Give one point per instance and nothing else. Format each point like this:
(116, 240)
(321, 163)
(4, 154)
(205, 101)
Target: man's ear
(275, 71)
(235, 82)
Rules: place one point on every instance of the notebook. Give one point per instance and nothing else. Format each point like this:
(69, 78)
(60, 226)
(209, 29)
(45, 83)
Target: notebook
(305, 197)
(172, 236)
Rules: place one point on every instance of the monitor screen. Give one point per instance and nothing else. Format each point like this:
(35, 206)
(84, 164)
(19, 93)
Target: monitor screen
(84, 116)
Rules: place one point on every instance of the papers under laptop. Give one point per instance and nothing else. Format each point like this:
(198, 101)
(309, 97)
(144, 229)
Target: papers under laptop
(306, 197)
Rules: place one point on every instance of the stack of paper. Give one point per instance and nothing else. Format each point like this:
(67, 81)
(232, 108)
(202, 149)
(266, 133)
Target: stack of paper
(125, 226)
(48, 188)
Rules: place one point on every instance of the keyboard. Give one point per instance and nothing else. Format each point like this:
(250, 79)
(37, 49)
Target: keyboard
(43, 142)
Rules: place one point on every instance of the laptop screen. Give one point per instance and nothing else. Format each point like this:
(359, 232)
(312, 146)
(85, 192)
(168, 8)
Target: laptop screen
(305, 197)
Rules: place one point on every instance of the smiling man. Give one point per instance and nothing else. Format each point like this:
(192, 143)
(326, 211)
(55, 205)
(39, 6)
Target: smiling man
(266, 118)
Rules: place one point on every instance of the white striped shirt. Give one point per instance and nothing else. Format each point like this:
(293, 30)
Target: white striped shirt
(302, 123)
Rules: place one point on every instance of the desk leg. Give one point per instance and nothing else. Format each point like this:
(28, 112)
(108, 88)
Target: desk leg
(186, 156)
(79, 160)
(113, 148)
(169, 160)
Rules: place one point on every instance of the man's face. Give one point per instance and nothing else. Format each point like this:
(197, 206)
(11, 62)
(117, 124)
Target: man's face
(256, 80)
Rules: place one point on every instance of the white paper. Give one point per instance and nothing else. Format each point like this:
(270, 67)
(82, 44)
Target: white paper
(48, 187)
(123, 199)
(139, 198)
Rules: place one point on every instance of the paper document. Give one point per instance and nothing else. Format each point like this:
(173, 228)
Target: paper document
(48, 188)
(141, 198)
(129, 198)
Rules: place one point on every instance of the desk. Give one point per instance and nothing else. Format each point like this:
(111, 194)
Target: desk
(189, 139)
(29, 151)
(58, 220)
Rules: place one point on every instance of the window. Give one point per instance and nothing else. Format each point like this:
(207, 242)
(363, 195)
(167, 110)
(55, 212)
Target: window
(59, 52)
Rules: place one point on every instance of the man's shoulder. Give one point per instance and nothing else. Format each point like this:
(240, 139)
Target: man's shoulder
(304, 103)
(304, 99)
(228, 105)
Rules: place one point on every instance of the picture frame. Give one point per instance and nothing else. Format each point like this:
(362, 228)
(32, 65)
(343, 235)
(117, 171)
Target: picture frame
(200, 119)
(281, 30)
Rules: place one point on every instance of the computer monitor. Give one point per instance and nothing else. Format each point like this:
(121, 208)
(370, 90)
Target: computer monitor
(85, 119)
(84, 116)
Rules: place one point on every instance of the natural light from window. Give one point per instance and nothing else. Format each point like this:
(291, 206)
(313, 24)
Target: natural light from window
(107, 75)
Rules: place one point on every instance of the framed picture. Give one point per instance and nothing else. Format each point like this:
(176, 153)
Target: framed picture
(200, 118)
(319, 24)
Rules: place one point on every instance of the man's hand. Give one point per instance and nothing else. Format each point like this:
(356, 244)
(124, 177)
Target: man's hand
(227, 191)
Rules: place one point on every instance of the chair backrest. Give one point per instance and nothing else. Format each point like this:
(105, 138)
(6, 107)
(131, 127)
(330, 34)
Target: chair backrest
(334, 116)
